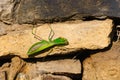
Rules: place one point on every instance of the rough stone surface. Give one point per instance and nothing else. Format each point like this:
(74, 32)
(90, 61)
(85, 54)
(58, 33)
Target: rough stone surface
(81, 35)
(2, 76)
(6, 10)
(43, 69)
(59, 66)
(18, 69)
(60, 10)
(43, 77)
(45, 10)
(103, 65)
(10, 70)
(53, 77)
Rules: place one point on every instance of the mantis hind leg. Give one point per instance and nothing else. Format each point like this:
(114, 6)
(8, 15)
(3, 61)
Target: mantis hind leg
(51, 34)
(35, 35)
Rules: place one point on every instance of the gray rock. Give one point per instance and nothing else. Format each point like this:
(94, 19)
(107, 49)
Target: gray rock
(6, 10)
(61, 10)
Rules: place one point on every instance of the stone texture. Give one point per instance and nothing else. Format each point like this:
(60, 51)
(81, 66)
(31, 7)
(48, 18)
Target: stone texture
(57, 67)
(103, 65)
(43, 77)
(18, 69)
(61, 10)
(81, 35)
(2, 76)
(10, 70)
(20, 11)
(53, 77)
(6, 10)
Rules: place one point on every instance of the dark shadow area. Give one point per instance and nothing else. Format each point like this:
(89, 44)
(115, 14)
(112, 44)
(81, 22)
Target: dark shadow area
(89, 18)
(51, 57)
(6, 59)
(116, 21)
(70, 75)
(3, 61)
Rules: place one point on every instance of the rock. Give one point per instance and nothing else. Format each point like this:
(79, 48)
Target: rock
(2, 76)
(2, 29)
(10, 70)
(16, 66)
(54, 77)
(61, 10)
(81, 35)
(6, 10)
(59, 66)
(18, 69)
(44, 77)
(54, 69)
(20, 11)
(103, 65)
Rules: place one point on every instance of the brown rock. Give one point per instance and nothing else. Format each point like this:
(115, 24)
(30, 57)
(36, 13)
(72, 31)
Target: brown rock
(81, 35)
(57, 69)
(59, 66)
(11, 70)
(16, 66)
(17, 69)
(55, 77)
(66, 66)
(2, 76)
(103, 65)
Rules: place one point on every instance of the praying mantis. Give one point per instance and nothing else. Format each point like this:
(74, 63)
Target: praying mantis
(38, 47)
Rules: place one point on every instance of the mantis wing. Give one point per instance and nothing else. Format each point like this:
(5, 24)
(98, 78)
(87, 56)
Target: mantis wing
(39, 46)
(42, 45)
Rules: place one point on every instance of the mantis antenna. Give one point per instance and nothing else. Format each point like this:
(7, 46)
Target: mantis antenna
(51, 34)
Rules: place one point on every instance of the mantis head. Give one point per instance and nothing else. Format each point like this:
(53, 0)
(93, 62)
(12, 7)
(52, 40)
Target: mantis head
(60, 41)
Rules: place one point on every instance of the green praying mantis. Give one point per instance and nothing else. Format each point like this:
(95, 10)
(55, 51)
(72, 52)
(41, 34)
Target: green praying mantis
(45, 44)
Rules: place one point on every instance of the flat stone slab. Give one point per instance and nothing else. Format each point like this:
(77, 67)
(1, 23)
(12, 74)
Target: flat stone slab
(59, 66)
(63, 67)
(80, 35)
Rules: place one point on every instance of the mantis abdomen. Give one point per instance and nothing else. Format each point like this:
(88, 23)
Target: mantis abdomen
(42, 45)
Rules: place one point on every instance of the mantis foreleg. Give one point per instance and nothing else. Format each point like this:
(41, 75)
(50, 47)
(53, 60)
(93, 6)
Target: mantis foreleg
(34, 33)
(51, 34)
